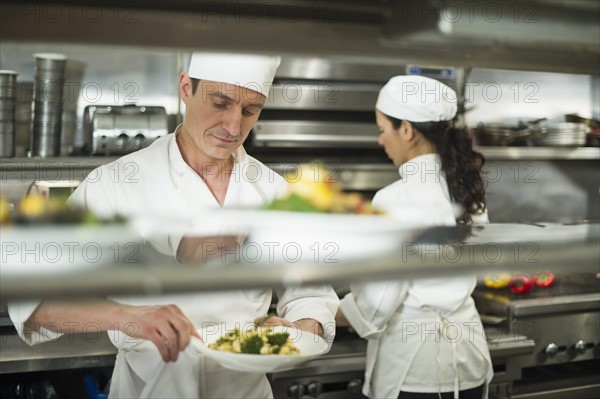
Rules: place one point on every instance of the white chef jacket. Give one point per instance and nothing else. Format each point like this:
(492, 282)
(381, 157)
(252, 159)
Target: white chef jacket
(156, 180)
(424, 335)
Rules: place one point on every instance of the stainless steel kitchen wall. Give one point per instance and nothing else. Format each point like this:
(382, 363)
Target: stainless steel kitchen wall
(509, 96)
(103, 75)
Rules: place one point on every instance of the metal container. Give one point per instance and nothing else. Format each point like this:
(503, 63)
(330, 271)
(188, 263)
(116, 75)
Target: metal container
(23, 118)
(8, 100)
(47, 104)
(563, 134)
(119, 130)
(500, 134)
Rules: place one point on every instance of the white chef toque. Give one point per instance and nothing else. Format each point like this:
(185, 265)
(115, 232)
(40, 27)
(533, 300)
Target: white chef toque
(417, 99)
(255, 72)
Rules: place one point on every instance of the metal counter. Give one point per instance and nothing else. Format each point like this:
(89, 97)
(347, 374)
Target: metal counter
(95, 350)
(68, 352)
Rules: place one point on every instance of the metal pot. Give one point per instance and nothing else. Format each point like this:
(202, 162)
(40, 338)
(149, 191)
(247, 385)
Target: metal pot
(563, 134)
(499, 134)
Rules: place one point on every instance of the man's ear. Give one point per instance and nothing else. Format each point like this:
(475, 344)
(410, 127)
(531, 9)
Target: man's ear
(185, 87)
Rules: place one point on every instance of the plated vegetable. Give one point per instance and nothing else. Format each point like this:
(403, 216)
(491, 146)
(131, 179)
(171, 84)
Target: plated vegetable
(314, 188)
(258, 341)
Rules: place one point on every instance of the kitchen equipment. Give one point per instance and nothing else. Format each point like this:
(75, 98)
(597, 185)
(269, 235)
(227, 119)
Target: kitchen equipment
(118, 130)
(564, 322)
(562, 134)
(8, 93)
(47, 104)
(74, 71)
(503, 134)
(23, 118)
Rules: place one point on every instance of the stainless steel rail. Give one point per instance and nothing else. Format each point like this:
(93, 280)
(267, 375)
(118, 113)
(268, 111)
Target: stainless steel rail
(157, 279)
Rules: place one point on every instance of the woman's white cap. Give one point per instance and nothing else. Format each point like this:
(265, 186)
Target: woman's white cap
(417, 99)
(255, 72)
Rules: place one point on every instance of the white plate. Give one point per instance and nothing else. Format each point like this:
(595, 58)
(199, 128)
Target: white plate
(311, 346)
(291, 237)
(284, 237)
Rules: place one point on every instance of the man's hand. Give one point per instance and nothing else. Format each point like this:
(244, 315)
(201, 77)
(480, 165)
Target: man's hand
(340, 319)
(166, 326)
(310, 325)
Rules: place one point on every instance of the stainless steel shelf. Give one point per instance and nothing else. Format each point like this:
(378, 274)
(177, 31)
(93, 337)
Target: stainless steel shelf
(541, 153)
(515, 247)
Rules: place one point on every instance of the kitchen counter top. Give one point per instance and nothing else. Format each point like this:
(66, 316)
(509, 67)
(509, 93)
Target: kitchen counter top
(68, 352)
(95, 350)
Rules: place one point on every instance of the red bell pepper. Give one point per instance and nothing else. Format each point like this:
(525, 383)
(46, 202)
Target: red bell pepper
(544, 279)
(521, 284)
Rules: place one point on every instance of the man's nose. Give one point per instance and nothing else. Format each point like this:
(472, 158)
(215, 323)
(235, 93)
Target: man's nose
(233, 121)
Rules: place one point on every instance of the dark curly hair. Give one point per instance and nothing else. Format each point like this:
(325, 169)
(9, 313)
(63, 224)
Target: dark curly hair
(462, 165)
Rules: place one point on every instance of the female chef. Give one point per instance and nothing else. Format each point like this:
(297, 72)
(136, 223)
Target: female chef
(425, 336)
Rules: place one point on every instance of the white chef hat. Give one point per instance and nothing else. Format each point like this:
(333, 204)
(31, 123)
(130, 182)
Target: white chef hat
(417, 99)
(255, 72)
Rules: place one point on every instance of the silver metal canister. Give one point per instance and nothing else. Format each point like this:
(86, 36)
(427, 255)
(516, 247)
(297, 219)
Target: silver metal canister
(47, 104)
(8, 101)
(23, 118)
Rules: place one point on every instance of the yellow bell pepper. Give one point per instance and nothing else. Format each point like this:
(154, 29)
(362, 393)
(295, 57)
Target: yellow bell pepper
(497, 281)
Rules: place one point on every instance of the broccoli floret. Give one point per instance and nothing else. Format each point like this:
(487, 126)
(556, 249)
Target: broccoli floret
(278, 339)
(252, 344)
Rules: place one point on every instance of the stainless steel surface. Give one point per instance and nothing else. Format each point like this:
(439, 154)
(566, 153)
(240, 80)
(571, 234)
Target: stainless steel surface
(588, 390)
(501, 304)
(344, 364)
(47, 104)
(564, 323)
(496, 134)
(329, 95)
(76, 351)
(116, 130)
(8, 104)
(315, 134)
(564, 37)
(560, 256)
(23, 118)
(328, 69)
(540, 153)
(563, 134)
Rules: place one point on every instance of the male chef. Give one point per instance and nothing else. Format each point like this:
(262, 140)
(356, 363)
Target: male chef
(202, 165)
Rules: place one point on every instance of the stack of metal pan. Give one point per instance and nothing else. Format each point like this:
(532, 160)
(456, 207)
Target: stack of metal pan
(8, 100)
(563, 134)
(47, 104)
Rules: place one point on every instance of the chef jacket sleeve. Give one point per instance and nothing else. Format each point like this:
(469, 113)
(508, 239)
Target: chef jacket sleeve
(319, 303)
(19, 313)
(96, 193)
(369, 306)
